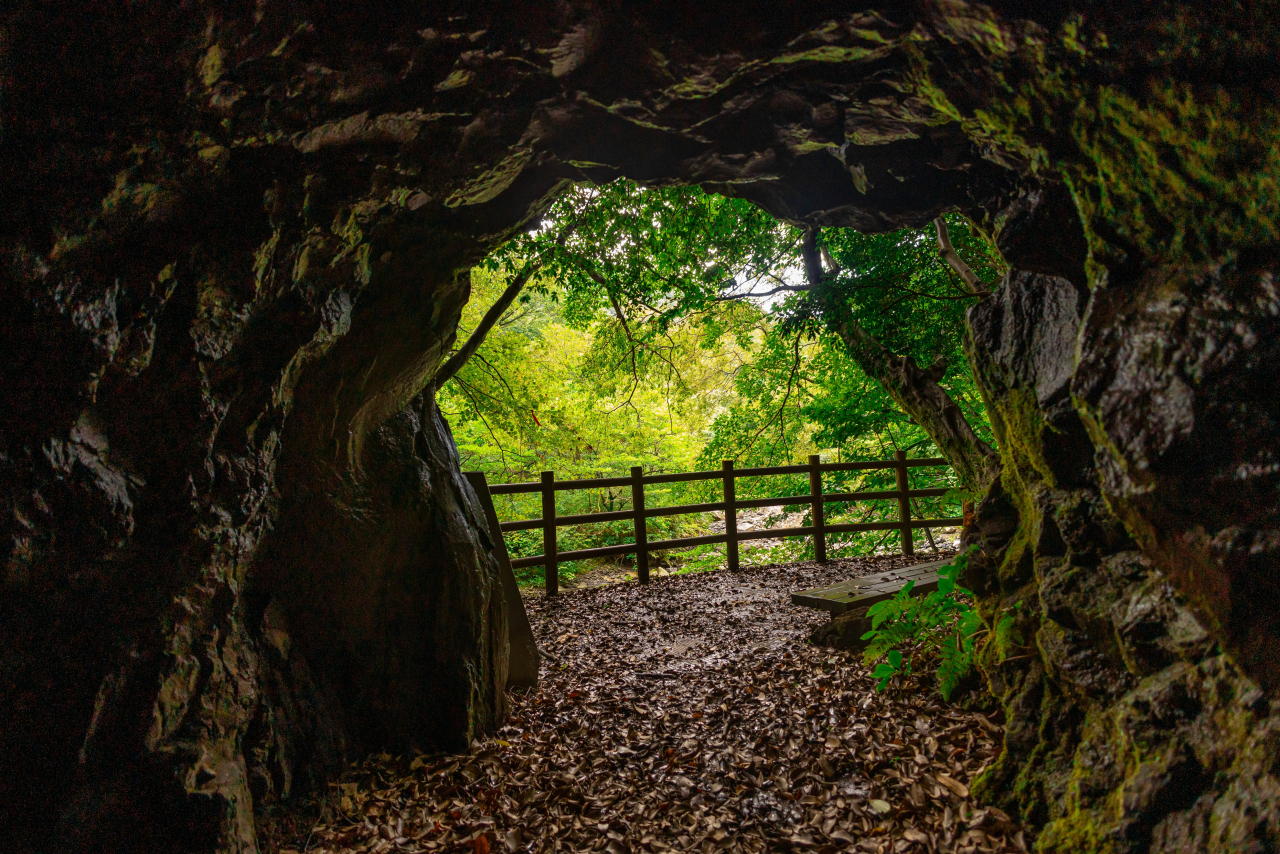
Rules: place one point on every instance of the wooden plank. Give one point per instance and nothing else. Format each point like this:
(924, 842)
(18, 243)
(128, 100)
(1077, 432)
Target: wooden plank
(682, 477)
(858, 527)
(598, 551)
(577, 554)
(770, 533)
(549, 522)
(866, 465)
(904, 504)
(877, 496)
(766, 471)
(522, 525)
(522, 660)
(591, 483)
(687, 542)
(586, 518)
(870, 589)
(513, 488)
(690, 476)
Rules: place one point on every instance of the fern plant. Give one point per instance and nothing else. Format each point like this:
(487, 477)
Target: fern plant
(938, 625)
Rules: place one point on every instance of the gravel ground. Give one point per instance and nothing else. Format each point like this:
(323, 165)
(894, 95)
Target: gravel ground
(692, 715)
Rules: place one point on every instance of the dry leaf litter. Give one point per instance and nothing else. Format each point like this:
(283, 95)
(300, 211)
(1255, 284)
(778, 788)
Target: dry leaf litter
(691, 715)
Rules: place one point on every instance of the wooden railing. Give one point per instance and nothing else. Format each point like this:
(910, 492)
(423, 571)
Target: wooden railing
(816, 498)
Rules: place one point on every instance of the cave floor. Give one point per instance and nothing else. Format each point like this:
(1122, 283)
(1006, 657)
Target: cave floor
(692, 715)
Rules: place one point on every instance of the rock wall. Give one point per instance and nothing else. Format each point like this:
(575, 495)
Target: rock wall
(235, 241)
(1128, 728)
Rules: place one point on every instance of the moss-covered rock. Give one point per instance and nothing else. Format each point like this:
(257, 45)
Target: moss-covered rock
(235, 241)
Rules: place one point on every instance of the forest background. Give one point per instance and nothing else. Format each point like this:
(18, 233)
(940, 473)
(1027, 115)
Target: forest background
(671, 329)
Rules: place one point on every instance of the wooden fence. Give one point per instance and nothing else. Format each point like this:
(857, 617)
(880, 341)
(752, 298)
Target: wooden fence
(816, 498)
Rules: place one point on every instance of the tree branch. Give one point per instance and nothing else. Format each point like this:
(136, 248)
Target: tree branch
(949, 254)
(480, 412)
(755, 295)
(495, 312)
(915, 390)
(832, 266)
(491, 317)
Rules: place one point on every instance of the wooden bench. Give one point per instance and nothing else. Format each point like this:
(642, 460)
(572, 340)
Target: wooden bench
(869, 589)
(848, 602)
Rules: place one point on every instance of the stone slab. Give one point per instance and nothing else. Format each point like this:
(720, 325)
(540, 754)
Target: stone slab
(523, 661)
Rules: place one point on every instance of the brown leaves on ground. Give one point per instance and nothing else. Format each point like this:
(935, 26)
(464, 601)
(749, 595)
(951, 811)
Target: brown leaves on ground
(690, 715)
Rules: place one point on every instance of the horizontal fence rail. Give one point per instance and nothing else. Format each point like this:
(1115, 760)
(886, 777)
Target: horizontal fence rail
(548, 486)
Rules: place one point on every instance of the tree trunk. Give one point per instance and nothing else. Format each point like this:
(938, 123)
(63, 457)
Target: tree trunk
(914, 389)
(918, 394)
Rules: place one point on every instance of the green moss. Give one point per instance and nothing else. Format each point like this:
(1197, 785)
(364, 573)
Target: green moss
(1024, 433)
(1179, 169)
(492, 182)
(456, 80)
(212, 66)
(833, 53)
(1080, 832)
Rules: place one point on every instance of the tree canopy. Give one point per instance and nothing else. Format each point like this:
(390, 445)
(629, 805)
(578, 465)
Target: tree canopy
(672, 328)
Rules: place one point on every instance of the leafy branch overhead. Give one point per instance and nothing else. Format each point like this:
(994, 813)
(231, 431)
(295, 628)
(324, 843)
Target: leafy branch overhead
(675, 328)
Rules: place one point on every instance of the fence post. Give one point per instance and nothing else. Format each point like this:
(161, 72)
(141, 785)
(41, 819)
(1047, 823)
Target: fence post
(904, 502)
(552, 572)
(819, 522)
(642, 531)
(730, 516)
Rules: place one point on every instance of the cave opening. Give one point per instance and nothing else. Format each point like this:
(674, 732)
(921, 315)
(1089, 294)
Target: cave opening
(239, 549)
(669, 329)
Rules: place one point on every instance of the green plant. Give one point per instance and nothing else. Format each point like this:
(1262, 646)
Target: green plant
(941, 625)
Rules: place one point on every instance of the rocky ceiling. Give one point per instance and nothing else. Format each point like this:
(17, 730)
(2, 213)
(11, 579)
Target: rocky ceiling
(236, 235)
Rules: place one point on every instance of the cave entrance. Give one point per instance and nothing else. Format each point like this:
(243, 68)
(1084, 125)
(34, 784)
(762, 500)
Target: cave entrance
(659, 328)
(667, 328)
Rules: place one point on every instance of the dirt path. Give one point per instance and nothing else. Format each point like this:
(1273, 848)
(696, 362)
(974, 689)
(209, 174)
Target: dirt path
(691, 715)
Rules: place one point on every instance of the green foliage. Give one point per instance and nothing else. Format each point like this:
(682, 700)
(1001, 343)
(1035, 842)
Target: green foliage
(941, 625)
(661, 330)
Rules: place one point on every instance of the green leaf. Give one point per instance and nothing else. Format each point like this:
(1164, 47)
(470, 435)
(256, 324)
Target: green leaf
(895, 659)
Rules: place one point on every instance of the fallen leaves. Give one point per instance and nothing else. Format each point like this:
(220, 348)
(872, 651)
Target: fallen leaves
(691, 716)
(960, 789)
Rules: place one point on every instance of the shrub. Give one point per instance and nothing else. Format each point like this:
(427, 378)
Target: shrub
(941, 625)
